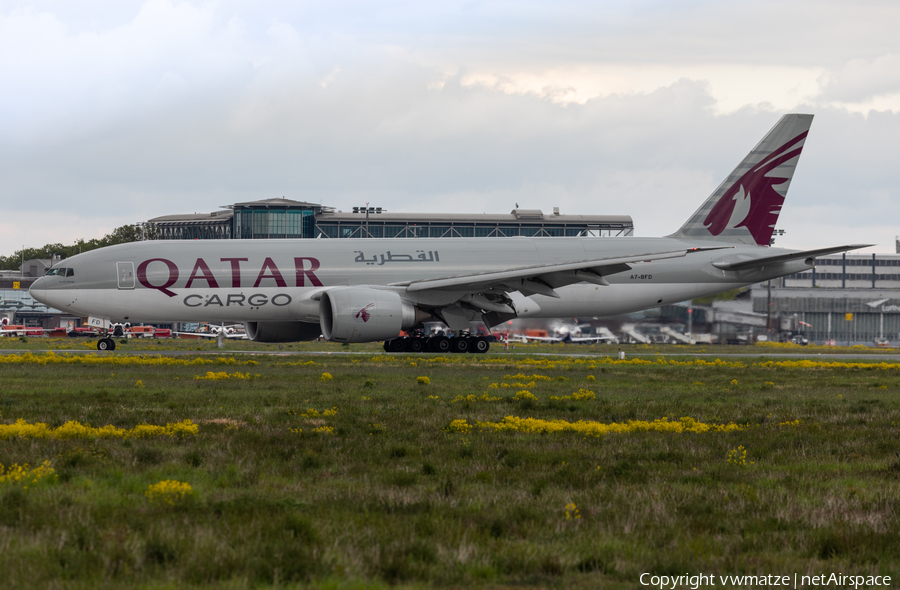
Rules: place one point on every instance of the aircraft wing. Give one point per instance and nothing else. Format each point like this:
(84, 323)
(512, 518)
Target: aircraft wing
(568, 340)
(550, 339)
(541, 279)
(766, 260)
(212, 335)
(198, 334)
(590, 339)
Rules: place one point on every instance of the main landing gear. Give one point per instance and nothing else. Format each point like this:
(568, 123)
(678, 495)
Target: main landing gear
(439, 344)
(106, 344)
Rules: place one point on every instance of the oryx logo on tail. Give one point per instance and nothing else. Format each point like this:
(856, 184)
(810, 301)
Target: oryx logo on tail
(752, 201)
(745, 207)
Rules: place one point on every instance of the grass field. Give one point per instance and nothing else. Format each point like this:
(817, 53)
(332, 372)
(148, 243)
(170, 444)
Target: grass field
(371, 470)
(208, 345)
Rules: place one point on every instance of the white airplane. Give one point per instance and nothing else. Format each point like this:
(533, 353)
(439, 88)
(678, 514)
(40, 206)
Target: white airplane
(570, 334)
(569, 339)
(363, 290)
(208, 331)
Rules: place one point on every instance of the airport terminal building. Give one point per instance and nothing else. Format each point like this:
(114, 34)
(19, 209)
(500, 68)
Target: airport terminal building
(284, 218)
(849, 298)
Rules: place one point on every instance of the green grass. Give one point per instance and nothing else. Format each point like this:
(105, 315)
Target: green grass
(209, 345)
(392, 497)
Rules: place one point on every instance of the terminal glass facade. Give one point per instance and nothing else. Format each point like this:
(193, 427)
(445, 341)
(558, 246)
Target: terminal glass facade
(271, 223)
(195, 230)
(327, 228)
(285, 218)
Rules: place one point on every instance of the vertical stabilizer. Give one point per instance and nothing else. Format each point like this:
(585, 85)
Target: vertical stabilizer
(745, 208)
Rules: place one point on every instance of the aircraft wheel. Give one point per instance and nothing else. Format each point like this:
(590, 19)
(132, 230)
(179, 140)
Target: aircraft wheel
(386, 346)
(480, 345)
(460, 344)
(414, 344)
(397, 345)
(440, 344)
(106, 344)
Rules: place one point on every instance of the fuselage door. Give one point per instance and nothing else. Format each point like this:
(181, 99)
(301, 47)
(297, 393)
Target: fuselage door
(125, 272)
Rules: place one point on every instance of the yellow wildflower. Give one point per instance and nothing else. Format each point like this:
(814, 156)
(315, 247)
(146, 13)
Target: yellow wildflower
(72, 429)
(218, 376)
(169, 492)
(460, 426)
(580, 395)
(23, 474)
(314, 413)
(737, 456)
(473, 398)
(591, 428)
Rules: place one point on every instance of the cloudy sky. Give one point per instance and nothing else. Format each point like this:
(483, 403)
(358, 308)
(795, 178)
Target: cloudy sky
(113, 112)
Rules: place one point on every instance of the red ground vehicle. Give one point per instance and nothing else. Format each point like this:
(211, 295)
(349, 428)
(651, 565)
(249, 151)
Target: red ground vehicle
(140, 332)
(20, 330)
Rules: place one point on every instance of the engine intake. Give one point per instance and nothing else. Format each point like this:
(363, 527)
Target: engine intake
(282, 331)
(363, 314)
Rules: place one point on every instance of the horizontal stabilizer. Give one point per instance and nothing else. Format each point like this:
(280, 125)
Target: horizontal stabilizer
(804, 254)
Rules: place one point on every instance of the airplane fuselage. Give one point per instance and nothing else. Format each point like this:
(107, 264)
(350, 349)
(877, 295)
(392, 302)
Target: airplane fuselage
(278, 280)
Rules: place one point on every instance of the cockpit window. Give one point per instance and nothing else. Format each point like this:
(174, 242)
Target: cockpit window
(60, 272)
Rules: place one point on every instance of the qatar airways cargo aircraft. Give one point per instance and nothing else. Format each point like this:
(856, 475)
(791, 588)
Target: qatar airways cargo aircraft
(363, 290)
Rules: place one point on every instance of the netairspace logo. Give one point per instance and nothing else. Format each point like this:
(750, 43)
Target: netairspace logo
(695, 581)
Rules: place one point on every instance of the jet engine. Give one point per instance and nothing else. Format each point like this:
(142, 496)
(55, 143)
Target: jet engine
(282, 331)
(363, 314)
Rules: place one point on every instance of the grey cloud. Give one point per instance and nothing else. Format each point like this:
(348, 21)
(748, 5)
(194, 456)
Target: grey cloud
(377, 132)
(861, 80)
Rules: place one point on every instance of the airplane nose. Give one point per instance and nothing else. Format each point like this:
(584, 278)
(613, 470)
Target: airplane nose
(38, 290)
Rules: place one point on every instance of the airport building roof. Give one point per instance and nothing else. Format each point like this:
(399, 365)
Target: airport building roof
(286, 218)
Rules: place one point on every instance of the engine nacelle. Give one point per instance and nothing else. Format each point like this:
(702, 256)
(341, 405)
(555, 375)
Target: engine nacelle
(363, 314)
(282, 331)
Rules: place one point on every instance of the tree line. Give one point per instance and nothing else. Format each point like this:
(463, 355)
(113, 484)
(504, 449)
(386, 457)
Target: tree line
(120, 235)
